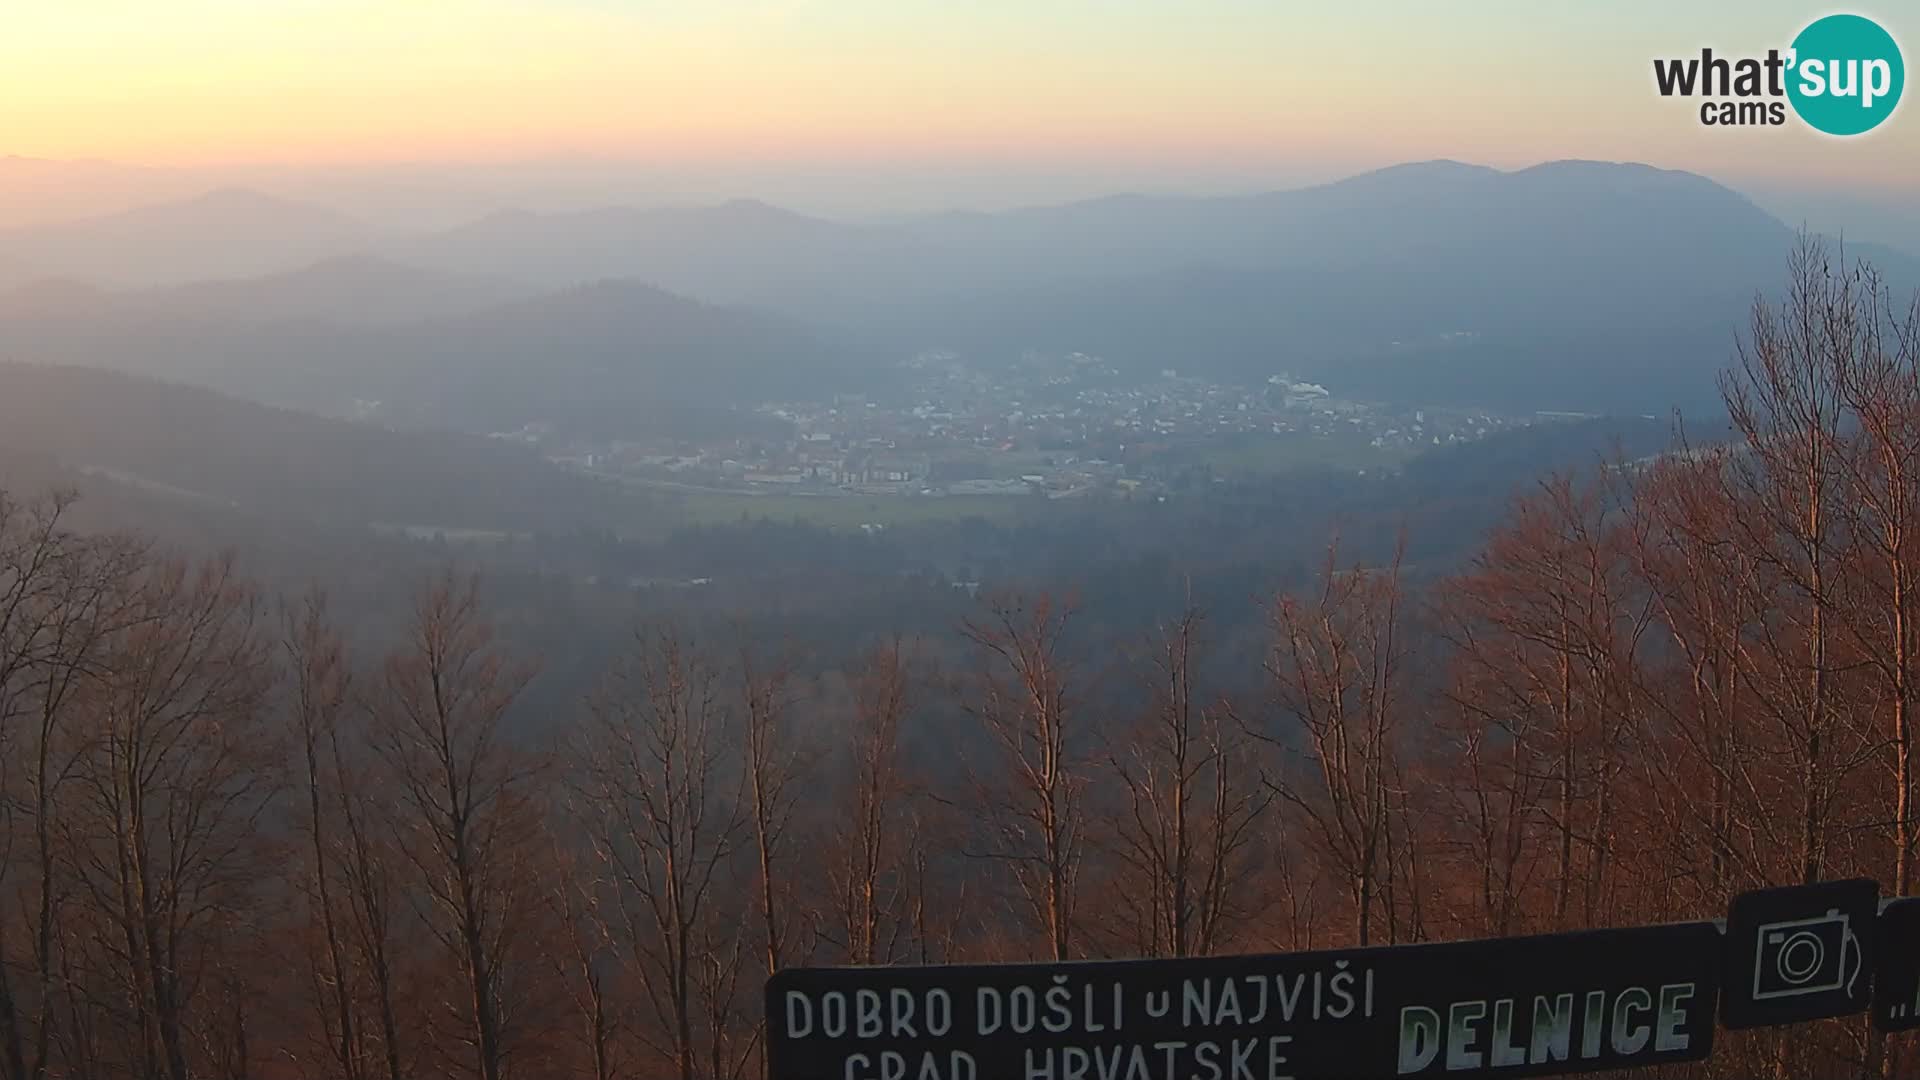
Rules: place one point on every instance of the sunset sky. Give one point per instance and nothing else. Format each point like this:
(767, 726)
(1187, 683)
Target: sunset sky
(1217, 92)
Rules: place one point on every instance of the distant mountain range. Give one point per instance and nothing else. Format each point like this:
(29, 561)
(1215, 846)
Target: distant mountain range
(38, 191)
(425, 348)
(221, 234)
(741, 252)
(1574, 285)
(1570, 285)
(346, 289)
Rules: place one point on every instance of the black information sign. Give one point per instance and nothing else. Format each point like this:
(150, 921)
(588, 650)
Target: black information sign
(1799, 953)
(1603, 999)
(1896, 972)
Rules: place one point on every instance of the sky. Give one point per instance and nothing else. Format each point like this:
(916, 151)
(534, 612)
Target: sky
(957, 101)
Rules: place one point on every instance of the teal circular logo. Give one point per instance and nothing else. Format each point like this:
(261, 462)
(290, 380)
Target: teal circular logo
(1846, 74)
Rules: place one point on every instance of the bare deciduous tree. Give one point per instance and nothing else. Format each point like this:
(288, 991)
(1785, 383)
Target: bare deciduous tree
(166, 836)
(869, 877)
(319, 694)
(1338, 671)
(1191, 803)
(61, 596)
(652, 790)
(773, 764)
(1034, 799)
(463, 791)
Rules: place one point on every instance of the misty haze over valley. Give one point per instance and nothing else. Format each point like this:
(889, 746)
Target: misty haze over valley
(576, 540)
(1568, 286)
(676, 366)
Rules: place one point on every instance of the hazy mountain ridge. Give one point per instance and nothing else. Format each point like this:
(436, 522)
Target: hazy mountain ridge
(204, 447)
(743, 251)
(614, 357)
(354, 289)
(1569, 285)
(347, 290)
(1389, 209)
(229, 232)
(448, 351)
(42, 191)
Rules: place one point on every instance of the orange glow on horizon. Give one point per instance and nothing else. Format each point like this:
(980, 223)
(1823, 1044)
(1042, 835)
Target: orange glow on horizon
(335, 82)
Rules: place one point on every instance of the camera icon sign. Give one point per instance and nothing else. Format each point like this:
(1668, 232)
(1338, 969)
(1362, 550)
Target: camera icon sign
(1810, 951)
(1797, 957)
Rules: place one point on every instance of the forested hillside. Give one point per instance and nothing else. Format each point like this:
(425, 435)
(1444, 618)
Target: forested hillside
(202, 448)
